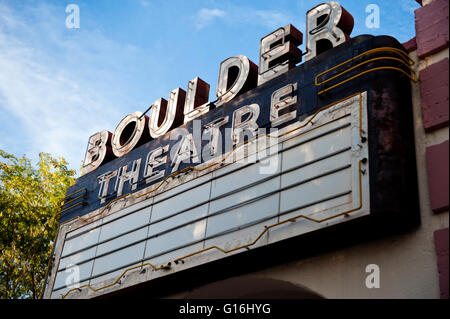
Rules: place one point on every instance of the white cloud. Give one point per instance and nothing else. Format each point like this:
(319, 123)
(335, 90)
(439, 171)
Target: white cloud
(205, 16)
(272, 19)
(245, 15)
(57, 88)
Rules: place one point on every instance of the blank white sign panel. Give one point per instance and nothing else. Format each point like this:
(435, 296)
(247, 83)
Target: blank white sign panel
(314, 175)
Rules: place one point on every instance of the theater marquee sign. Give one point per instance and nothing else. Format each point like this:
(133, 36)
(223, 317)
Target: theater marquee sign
(286, 149)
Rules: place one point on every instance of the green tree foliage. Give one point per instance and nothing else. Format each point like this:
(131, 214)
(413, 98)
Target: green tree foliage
(29, 199)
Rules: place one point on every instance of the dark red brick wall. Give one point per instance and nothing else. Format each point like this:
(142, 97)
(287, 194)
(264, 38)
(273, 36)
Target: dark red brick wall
(437, 169)
(410, 45)
(434, 94)
(441, 245)
(432, 27)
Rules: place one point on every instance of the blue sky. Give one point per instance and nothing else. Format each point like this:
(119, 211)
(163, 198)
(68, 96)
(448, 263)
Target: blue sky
(58, 86)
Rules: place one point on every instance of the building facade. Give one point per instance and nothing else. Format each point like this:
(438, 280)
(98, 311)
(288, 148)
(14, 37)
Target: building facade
(350, 201)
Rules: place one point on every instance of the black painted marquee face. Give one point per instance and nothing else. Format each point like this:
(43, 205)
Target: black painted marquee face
(220, 126)
(293, 95)
(286, 149)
